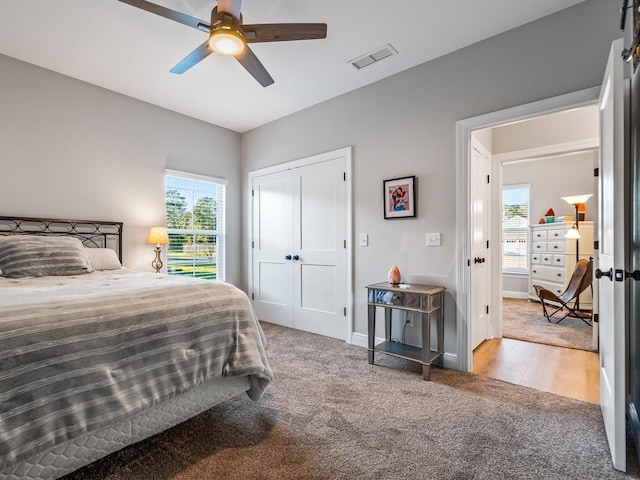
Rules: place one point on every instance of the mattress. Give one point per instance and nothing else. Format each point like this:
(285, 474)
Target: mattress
(81, 451)
(81, 354)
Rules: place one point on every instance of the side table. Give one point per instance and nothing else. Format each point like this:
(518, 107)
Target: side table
(428, 301)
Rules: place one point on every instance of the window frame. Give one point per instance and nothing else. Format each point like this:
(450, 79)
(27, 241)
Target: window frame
(220, 220)
(527, 230)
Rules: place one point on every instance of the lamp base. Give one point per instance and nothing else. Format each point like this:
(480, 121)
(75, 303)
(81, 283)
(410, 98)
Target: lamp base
(157, 262)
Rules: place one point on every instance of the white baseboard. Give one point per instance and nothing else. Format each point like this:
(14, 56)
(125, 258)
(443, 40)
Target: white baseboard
(361, 340)
(523, 295)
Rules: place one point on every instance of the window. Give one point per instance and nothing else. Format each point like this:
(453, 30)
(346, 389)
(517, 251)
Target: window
(515, 229)
(196, 225)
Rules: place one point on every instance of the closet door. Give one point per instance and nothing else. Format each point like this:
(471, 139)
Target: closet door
(319, 233)
(299, 248)
(272, 244)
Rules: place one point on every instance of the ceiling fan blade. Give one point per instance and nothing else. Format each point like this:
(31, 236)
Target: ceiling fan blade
(203, 51)
(282, 32)
(170, 14)
(251, 63)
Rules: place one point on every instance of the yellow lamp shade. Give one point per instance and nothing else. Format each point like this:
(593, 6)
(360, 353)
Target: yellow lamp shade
(158, 235)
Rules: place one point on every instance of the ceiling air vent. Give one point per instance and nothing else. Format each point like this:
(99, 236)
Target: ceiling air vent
(373, 57)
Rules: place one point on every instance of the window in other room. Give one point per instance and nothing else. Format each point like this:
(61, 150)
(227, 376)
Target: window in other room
(515, 229)
(196, 225)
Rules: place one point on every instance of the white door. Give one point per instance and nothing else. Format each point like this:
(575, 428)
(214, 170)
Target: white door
(299, 247)
(320, 235)
(480, 222)
(272, 244)
(611, 293)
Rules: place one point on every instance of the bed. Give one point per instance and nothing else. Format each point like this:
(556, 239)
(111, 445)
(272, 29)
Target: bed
(95, 357)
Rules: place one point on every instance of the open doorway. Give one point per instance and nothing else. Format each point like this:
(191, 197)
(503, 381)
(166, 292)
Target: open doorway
(536, 162)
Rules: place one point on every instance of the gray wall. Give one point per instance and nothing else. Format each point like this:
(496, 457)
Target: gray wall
(405, 125)
(73, 150)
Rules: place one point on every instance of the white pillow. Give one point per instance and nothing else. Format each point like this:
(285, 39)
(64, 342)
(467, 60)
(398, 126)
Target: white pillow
(103, 258)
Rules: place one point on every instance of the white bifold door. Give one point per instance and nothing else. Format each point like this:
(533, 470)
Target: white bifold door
(299, 239)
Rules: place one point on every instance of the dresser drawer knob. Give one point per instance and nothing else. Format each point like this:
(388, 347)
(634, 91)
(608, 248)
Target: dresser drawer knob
(559, 274)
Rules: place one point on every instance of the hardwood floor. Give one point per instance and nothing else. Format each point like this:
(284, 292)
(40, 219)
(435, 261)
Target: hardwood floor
(563, 371)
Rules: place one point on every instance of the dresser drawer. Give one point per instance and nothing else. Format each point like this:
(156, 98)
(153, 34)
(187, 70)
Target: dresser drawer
(551, 274)
(400, 299)
(556, 235)
(552, 287)
(546, 259)
(539, 235)
(558, 260)
(535, 259)
(555, 247)
(539, 247)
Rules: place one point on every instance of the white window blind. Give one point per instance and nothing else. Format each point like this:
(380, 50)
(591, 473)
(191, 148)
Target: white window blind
(515, 229)
(196, 225)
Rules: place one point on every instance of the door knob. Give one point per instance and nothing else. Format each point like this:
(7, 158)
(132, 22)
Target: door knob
(635, 275)
(296, 257)
(288, 257)
(609, 273)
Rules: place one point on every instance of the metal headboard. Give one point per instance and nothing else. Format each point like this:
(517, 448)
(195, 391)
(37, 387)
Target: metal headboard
(92, 233)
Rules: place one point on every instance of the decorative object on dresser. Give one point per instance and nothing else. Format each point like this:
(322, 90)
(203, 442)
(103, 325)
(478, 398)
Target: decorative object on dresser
(553, 257)
(580, 280)
(159, 236)
(426, 300)
(394, 275)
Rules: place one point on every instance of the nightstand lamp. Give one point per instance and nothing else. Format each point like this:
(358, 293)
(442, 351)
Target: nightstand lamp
(159, 236)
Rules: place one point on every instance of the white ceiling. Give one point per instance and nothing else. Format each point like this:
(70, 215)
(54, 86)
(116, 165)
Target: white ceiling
(127, 50)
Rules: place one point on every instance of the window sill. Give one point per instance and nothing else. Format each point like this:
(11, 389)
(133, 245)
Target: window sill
(511, 274)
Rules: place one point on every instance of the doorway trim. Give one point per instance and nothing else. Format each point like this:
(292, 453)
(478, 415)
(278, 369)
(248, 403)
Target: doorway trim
(463, 220)
(345, 153)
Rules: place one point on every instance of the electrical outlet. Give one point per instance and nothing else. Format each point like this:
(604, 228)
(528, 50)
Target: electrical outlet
(434, 239)
(409, 321)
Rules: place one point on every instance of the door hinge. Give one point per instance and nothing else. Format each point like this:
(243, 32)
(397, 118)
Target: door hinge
(488, 179)
(252, 244)
(252, 296)
(596, 317)
(345, 243)
(345, 311)
(487, 309)
(487, 243)
(344, 176)
(596, 245)
(596, 172)
(469, 263)
(253, 193)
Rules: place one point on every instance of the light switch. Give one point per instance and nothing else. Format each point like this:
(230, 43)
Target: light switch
(434, 239)
(364, 239)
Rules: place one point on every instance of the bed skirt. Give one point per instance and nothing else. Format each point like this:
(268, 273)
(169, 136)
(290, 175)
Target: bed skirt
(74, 454)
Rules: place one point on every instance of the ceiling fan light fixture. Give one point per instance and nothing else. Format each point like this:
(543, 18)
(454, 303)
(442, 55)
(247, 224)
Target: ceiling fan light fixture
(226, 41)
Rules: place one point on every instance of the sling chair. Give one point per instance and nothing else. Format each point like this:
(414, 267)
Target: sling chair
(580, 281)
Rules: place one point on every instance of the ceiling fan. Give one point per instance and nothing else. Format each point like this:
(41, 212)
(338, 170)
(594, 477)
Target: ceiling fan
(229, 36)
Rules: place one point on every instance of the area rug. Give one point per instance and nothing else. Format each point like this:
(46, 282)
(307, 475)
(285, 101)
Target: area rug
(330, 415)
(523, 320)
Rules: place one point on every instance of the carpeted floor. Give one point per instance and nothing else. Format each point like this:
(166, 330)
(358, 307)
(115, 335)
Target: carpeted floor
(331, 415)
(523, 320)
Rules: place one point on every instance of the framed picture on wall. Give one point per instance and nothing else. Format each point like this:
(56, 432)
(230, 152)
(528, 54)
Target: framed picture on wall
(399, 197)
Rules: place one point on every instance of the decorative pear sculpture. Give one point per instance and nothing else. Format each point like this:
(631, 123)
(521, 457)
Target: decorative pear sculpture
(394, 275)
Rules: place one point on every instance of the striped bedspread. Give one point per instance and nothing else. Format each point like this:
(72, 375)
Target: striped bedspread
(80, 352)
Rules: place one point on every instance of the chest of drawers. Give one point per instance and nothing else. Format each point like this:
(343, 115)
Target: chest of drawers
(552, 257)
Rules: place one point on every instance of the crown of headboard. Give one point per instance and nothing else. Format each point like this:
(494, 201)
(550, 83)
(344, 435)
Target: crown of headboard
(92, 233)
